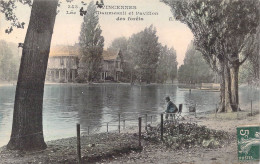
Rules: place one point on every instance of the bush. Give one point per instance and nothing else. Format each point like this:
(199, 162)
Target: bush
(187, 135)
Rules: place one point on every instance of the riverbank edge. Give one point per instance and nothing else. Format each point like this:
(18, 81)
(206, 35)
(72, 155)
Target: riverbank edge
(94, 148)
(109, 147)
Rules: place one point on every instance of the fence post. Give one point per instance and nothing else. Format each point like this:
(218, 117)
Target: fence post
(145, 121)
(216, 111)
(107, 127)
(251, 108)
(178, 124)
(124, 123)
(88, 130)
(78, 144)
(162, 126)
(119, 123)
(237, 111)
(140, 129)
(195, 111)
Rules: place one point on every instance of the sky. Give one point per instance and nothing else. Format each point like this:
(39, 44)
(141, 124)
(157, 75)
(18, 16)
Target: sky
(67, 26)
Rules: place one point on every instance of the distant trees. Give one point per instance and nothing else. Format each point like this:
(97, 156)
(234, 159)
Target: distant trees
(144, 49)
(195, 69)
(9, 61)
(167, 65)
(91, 46)
(120, 43)
(221, 30)
(145, 59)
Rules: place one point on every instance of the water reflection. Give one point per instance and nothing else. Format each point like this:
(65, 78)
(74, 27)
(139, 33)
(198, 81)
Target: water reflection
(94, 105)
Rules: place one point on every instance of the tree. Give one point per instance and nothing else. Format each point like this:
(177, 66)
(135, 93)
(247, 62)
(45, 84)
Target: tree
(161, 71)
(7, 7)
(91, 45)
(220, 37)
(250, 71)
(195, 69)
(27, 131)
(120, 43)
(167, 65)
(9, 61)
(144, 49)
(172, 64)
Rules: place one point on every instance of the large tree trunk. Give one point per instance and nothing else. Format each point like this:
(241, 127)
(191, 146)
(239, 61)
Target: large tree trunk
(234, 85)
(221, 106)
(27, 130)
(228, 100)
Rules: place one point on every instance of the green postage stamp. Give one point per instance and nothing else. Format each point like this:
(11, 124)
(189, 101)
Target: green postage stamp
(248, 142)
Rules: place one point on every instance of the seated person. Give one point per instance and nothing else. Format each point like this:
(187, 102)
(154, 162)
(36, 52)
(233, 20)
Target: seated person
(171, 108)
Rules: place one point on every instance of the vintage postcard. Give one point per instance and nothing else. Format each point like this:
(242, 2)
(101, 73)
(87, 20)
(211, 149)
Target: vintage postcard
(129, 81)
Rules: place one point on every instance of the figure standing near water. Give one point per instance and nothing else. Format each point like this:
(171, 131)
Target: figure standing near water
(171, 108)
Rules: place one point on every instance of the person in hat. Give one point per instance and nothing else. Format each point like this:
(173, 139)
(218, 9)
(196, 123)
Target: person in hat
(171, 108)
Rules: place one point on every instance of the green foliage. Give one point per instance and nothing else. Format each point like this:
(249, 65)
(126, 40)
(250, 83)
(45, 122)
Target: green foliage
(167, 65)
(119, 43)
(7, 7)
(187, 135)
(91, 45)
(220, 27)
(144, 51)
(195, 69)
(250, 71)
(9, 61)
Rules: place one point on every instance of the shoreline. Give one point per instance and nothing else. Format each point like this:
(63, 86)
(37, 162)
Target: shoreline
(6, 83)
(121, 148)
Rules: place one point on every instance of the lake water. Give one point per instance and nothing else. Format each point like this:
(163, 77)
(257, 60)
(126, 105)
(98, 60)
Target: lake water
(94, 105)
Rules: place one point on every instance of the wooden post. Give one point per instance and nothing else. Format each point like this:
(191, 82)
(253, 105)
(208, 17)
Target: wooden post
(195, 111)
(140, 129)
(151, 120)
(107, 127)
(119, 123)
(162, 126)
(237, 111)
(178, 125)
(145, 121)
(216, 111)
(251, 108)
(78, 144)
(124, 123)
(88, 130)
(190, 87)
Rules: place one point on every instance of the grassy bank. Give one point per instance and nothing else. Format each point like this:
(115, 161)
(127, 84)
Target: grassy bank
(123, 148)
(94, 148)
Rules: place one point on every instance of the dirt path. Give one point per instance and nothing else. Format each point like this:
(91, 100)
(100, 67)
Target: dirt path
(115, 148)
(225, 155)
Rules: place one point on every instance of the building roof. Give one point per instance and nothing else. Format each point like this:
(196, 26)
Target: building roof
(110, 54)
(62, 50)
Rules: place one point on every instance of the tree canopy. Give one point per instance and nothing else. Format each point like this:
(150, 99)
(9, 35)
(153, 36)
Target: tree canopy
(167, 65)
(144, 49)
(9, 61)
(91, 45)
(195, 69)
(221, 30)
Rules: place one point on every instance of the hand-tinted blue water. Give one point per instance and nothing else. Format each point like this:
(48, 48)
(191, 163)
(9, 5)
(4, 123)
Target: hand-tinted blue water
(94, 105)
